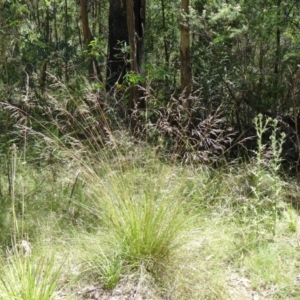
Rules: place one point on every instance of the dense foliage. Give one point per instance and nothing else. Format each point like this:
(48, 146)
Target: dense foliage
(244, 59)
(142, 146)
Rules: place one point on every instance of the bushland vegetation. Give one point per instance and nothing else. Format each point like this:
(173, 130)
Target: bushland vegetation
(149, 150)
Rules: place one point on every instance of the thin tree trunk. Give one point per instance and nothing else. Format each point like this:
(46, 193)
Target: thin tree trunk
(43, 76)
(94, 69)
(186, 70)
(131, 34)
(85, 22)
(79, 37)
(135, 12)
(38, 16)
(55, 25)
(277, 57)
(133, 52)
(66, 36)
(93, 12)
(99, 13)
(166, 46)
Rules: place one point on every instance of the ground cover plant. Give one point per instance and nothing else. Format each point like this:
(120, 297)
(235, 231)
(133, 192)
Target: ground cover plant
(149, 149)
(125, 218)
(120, 222)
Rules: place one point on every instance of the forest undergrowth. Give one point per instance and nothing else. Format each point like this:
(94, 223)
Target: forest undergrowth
(84, 217)
(97, 226)
(149, 150)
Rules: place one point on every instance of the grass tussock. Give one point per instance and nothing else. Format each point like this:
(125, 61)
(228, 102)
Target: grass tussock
(180, 232)
(30, 277)
(135, 225)
(143, 222)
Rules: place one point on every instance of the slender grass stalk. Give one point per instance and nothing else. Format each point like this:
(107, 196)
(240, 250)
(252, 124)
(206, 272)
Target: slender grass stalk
(29, 278)
(13, 178)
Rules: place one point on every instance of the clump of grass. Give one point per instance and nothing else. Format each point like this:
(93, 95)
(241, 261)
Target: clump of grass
(139, 214)
(106, 267)
(147, 229)
(142, 215)
(34, 278)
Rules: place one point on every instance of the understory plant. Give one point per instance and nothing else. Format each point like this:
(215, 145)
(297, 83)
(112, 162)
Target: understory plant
(142, 217)
(29, 278)
(261, 210)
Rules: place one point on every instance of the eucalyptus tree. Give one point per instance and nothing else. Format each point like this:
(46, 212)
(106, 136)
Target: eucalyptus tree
(126, 44)
(94, 69)
(186, 69)
(118, 59)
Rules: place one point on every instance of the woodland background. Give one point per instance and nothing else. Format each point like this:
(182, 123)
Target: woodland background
(149, 149)
(189, 76)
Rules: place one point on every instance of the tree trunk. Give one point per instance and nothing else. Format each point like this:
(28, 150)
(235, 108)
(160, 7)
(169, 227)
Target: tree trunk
(166, 43)
(66, 37)
(43, 77)
(133, 50)
(94, 69)
(136, 10)
(186, 70)
(277, 60)
(118, 59)
(126, 27)
(87, 37)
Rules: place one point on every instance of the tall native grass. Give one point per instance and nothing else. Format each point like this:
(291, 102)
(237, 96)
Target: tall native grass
(24, 278)
(144, 219)
(122, 211)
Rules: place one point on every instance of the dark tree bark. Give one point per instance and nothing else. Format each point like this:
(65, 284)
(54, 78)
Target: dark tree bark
(126, 26)
(87, 36)
(166, 42)
(118, 60)
(66, 37)
(136, 11)
(47, 37)
(186, 70)
(139, 18)
(277, 58)
(94, 69)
